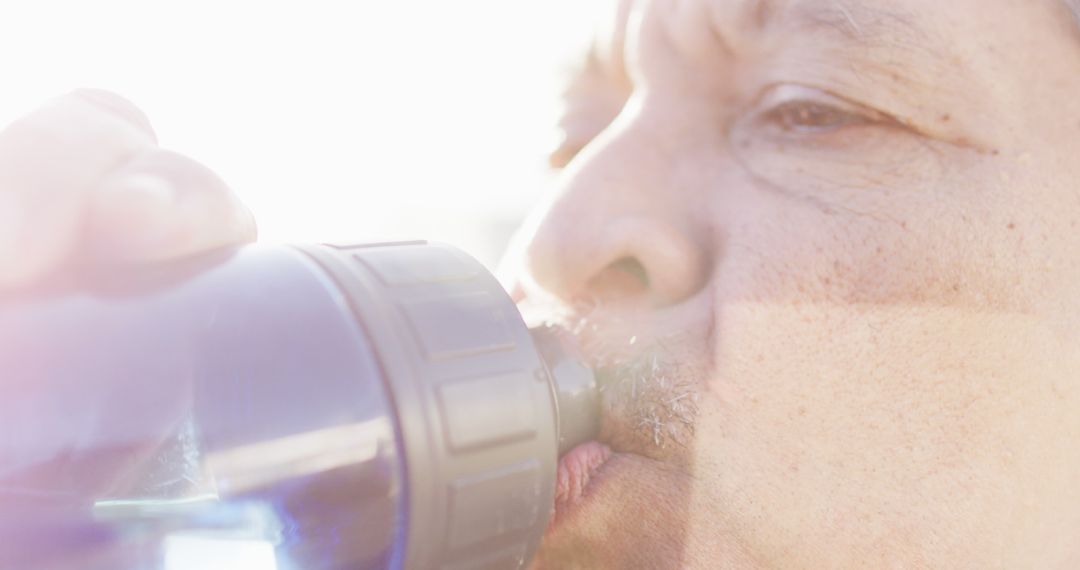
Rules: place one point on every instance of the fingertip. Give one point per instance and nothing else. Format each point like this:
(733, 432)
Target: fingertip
(248, 231)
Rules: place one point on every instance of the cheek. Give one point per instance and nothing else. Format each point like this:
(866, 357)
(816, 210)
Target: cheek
(880, 377)
(905, 250)
(885, 433)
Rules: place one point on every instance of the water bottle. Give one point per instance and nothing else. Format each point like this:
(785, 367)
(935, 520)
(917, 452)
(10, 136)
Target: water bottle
(281, 408)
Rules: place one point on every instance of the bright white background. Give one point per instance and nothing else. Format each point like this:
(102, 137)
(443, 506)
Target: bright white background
(333, 120)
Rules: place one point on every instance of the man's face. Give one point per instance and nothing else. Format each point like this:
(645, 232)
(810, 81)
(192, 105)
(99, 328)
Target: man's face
(824, 253)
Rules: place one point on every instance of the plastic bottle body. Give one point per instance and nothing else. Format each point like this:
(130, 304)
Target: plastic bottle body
(254, 431)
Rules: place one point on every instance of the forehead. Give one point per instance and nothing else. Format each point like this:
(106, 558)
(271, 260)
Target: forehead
(762, 11)
(903, 21)
(734, 23)
(866, 17)
(966, 28)
(858, 29)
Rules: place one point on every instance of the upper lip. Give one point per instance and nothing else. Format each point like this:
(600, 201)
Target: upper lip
(625, 416)
(609, 334)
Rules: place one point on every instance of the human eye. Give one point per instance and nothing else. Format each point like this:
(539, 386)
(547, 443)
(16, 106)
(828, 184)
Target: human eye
(798, 111)
(813, 141)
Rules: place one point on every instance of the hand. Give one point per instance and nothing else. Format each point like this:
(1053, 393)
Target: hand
(82, 178)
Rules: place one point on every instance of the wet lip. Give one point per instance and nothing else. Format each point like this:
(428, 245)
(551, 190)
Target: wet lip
(577, 476)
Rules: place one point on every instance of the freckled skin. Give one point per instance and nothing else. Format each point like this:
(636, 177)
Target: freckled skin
(887, 360)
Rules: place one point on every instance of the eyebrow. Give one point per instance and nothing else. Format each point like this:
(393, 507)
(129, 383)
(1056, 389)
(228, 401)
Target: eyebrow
(880, 46)
(857, 22)
(875, 39)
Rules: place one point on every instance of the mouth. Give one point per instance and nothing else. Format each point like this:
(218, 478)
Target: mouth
(649, 368)
(648, 408)
(577, 474)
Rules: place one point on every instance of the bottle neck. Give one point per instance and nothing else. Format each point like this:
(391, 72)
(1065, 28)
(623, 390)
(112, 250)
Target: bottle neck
(574, 386)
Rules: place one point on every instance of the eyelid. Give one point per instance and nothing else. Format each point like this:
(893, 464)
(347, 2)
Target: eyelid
(787, 93)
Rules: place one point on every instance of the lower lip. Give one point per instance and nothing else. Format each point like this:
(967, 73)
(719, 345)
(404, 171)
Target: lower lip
(576, 476)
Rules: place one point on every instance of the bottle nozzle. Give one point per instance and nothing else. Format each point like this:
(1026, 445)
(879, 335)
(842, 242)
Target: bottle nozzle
(574, 385)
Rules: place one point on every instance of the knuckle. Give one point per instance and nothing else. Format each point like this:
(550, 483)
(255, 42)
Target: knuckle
(187, 174)
(117, 106)
(88, 132)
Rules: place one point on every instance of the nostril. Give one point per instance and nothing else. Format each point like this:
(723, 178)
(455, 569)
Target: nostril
(639, 257)
(625, 277)
(632, 267)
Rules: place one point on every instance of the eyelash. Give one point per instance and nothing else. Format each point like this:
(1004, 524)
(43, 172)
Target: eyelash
(797, 110)
(812, 117)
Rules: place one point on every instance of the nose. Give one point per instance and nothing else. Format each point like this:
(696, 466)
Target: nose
(621, 223)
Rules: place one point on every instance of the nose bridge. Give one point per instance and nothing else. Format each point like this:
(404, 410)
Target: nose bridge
(628, 167)
(624, 198)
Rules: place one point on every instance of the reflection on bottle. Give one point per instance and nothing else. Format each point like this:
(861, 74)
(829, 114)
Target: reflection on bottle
(243, 507)
(171, 480)
(254, 466)
(193, 552)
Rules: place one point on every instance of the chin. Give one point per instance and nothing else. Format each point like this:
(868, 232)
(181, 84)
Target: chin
(632, 513)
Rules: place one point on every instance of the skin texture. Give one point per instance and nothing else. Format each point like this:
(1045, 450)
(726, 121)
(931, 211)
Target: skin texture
(857, 222)
(823, 254)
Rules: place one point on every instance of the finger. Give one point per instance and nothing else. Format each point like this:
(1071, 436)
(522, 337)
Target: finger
(118, 106)
(49, 160)
(162, 205)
